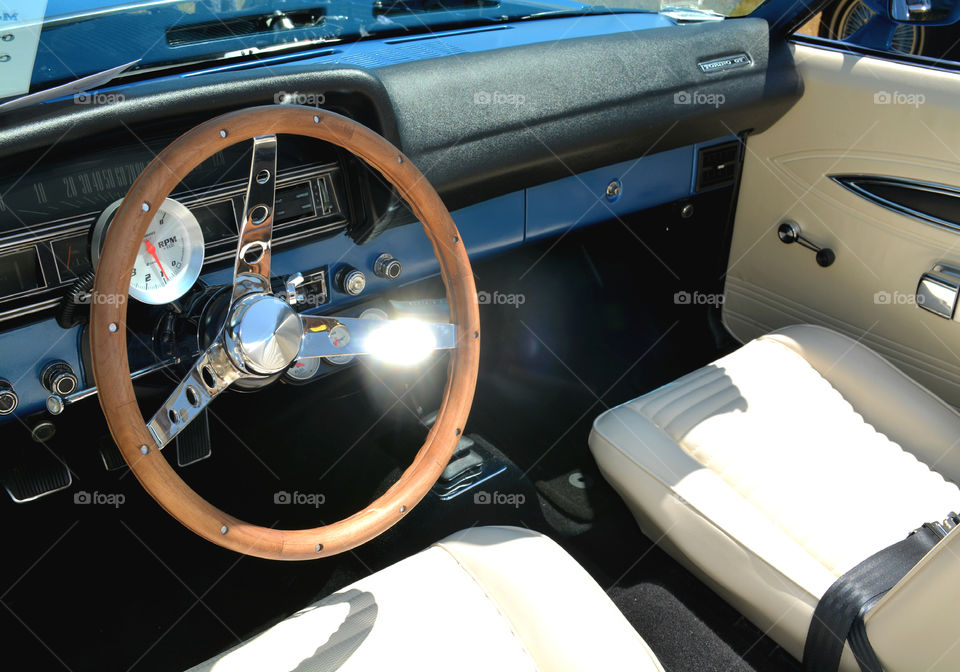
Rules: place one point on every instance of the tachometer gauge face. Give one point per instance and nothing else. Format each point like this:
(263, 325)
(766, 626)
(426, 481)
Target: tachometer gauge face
(170, 256)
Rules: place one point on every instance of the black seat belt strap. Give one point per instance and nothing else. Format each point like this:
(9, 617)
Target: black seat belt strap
(839, 614)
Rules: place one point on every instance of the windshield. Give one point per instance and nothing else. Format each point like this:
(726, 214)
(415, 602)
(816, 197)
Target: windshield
(49, 42)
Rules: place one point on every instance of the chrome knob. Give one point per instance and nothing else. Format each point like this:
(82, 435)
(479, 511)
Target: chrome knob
(8, 398)
(58, 377)
(351, 281)
(386, 266)
(55, 404)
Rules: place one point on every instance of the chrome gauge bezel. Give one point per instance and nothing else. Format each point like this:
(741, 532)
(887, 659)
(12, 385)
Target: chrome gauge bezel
(186, 278)
(313, 365)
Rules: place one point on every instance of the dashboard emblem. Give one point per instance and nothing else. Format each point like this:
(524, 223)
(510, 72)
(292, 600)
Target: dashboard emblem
(725, 63)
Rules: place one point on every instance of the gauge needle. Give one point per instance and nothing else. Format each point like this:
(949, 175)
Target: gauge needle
(152, 251)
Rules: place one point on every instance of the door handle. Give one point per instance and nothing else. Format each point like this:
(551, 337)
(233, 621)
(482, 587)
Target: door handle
(938, 290)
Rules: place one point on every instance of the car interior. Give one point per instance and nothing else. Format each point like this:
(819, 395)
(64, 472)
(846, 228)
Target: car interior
(480, 335)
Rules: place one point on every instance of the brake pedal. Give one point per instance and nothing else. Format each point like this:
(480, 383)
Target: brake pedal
(110, 454)
(30, 472)
(193, 443)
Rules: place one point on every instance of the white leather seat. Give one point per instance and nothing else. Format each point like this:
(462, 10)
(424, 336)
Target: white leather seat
(488, 598)
(777, 468)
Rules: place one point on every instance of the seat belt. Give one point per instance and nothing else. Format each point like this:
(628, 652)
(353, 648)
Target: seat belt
(839, 614)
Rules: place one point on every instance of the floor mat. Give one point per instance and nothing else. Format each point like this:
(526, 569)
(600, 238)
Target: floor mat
(684, 641)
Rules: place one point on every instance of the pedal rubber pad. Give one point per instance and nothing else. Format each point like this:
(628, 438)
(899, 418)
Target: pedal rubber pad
(193, 443)
(29, 472)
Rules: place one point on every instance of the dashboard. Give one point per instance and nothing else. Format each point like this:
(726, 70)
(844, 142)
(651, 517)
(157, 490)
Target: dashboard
(48, 217)
(599, 123)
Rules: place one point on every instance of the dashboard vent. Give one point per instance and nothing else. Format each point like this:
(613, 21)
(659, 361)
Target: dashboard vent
(244, 26)
(717, 165)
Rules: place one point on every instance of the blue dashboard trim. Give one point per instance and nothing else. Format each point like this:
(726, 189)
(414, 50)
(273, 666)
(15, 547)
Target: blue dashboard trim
(34, 346)
(487, 228)
(581, 200)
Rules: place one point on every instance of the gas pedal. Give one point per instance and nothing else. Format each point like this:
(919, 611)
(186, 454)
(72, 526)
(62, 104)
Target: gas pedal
(193, 443)
(29, 472)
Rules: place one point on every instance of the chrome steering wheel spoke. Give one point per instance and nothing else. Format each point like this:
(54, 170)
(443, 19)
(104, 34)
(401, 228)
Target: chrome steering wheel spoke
(211, 374)
(252, 268)
(397, 341)
(225, 361)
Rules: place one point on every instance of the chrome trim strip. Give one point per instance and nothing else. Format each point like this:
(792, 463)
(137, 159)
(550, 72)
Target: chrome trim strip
(29, 309)
(139, 373)
(64, 229)
(817, 42)
(853, 183)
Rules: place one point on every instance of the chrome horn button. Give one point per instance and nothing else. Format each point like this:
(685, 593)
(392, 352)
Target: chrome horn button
(263, 334)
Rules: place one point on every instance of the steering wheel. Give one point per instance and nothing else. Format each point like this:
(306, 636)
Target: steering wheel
(262, 333)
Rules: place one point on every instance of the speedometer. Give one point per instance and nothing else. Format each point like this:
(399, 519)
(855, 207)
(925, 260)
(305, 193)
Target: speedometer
(170, 257)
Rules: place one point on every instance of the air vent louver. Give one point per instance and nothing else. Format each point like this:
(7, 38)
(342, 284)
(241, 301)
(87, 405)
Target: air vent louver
(245, 26)
(717, 165)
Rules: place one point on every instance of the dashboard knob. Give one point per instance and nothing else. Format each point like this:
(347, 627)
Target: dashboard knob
(55, 404)
(58, 377)
(351, 281)
(8, 398)
(386, 266)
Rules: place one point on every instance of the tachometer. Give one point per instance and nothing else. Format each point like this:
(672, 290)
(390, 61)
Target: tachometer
(170, 256)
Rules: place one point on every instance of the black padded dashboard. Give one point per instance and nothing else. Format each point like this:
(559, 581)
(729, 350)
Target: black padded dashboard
(587, 102)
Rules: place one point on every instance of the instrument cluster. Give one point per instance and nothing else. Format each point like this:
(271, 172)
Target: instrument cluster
(54, 218)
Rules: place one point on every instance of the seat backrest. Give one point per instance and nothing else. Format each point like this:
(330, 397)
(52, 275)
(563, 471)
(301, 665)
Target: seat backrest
(916, 626)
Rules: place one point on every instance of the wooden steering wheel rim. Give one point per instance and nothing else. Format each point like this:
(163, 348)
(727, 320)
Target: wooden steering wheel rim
(111, 367)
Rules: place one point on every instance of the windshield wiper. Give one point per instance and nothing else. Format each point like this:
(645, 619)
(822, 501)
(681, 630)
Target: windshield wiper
(77, 86)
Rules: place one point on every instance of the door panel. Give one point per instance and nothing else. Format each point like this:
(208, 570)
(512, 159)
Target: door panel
(858, 116)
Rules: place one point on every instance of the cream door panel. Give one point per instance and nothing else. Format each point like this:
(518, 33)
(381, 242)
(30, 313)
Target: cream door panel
(858, 115)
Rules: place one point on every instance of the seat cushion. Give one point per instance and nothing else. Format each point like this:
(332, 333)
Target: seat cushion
(489, 598)
(761, 476)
